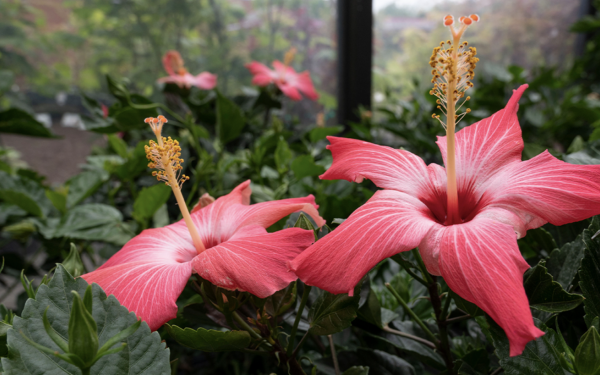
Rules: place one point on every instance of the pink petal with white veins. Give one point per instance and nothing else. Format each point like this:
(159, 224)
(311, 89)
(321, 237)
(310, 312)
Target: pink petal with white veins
(149, 273)
(481, 262)
(389, 223)
(548, 188)
(388, 168)
(483, 148)
(253, 260)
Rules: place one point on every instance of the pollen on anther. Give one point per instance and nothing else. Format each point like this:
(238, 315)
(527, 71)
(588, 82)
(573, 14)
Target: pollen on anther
(448, 20)
(474, 17)
(467, 21)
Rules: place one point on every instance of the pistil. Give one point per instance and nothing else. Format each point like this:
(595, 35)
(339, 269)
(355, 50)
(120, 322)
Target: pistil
(453, 68)
(164, 156)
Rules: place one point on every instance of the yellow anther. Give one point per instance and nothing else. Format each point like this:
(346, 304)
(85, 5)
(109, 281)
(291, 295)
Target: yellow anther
(165, 157)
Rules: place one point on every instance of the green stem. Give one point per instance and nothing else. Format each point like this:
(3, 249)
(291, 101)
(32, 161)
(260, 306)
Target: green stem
(444, 314)
(409, 336)
(305, 294)
(411, 313)
(457, 319)
(402, 262)
(245, 326)
(300, 344)
(422, 267)
(336, 365)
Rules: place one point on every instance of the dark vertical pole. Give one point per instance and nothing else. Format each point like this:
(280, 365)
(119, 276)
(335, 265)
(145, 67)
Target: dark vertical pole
(355, 54)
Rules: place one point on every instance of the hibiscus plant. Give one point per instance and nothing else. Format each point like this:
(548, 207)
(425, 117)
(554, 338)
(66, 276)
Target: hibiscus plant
(277, 248)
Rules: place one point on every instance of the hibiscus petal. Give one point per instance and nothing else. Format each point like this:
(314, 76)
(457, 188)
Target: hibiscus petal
(262, 74)
(149, 273)
(390, 222)
(253, 260)
(180, 81)
(266, 214)
(304, 84)
(548, 188)
(218, 221)
(257, 68)
(205, 81)
(483, 148)
(354, 160)
(481, 262)
(289, 91)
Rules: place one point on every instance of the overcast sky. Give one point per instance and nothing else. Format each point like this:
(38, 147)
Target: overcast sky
(414, 4)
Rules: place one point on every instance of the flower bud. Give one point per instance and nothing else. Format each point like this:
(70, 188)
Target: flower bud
(587, 354)
(83, 332)
(73, 263)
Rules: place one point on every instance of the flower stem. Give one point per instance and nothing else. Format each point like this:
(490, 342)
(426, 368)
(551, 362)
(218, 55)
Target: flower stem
(406, 265)
(174, 184)
(443, 344)
(422, 266)
(409, 336)
(245, 326)
(411, 313)
(292, 338)
(336, 365)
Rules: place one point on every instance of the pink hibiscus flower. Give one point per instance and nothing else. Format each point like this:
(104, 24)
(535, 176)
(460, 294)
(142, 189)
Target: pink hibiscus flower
(285, 77)
(150, 271)
(500, 196)
(173, 64)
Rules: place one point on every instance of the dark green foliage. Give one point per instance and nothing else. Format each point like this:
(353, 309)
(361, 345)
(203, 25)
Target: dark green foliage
(144, 352)
(545, 294)
(210, 340)
(332, 313)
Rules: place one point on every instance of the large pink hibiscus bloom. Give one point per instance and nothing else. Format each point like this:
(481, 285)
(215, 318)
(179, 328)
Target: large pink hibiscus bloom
(150, 271)
(173, 64)
(285, 77)
(500, 197)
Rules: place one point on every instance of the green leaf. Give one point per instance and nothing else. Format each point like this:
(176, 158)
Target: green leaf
(304, 166)
(332, 313)
(118, 145)
(144, 353)
(545, 294)
(25, 193)
(589, 274)
(135, 164)
(130, 118)
(208, 340)
(564, 263)
(379, 362)
(474, 363)
(317, 134)
(149, 200)
(416, 349)
(357, 370)
(94, 221)
(58, 199)
(370, 311)
(281, 300)
(17, 121)
(283, 155)
(83, 185)
(542, 356)
(466, 306)
(230, 119)
(587, 354)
